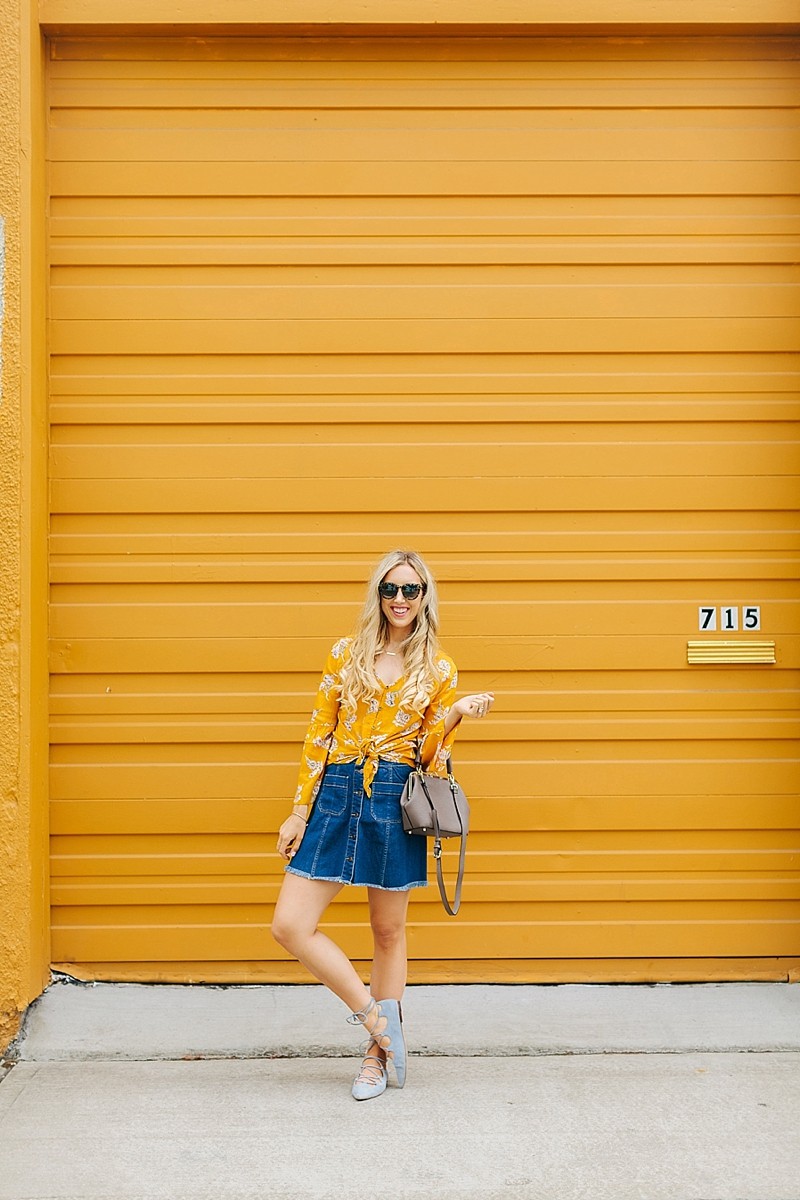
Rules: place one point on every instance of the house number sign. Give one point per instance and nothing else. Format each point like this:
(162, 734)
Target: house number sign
(728, 618)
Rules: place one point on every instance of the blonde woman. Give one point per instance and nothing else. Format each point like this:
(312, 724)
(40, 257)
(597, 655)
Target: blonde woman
(384, 692)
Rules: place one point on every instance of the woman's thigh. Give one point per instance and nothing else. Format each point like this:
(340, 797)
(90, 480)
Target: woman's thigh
(301, 903)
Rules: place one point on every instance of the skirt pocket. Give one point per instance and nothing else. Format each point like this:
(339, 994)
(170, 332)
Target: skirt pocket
(384, 802)
(332, 798)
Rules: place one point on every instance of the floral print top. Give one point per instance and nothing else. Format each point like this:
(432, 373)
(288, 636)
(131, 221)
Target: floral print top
(379, 728)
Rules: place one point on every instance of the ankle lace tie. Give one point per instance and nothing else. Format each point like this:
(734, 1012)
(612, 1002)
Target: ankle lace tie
(378, 1032)
(360, 1017)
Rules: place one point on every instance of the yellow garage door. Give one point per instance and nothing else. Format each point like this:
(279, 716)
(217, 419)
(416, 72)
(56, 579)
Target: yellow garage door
(527, 305)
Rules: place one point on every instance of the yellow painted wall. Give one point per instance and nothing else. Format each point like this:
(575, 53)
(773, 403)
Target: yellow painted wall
(527, 304)
(24, 917)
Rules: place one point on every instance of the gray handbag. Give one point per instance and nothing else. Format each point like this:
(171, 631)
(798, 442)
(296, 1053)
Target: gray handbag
(437, 808)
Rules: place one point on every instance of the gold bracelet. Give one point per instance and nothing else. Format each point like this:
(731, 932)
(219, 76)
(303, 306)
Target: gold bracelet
(295, 813)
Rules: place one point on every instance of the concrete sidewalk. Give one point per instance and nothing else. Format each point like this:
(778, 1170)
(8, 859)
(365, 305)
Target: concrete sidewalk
(674, 1092)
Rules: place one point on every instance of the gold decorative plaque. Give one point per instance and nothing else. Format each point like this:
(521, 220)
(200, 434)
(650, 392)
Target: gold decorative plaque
(711, 652)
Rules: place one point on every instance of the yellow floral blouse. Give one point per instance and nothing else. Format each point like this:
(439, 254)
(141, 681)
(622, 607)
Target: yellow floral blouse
(380, 728)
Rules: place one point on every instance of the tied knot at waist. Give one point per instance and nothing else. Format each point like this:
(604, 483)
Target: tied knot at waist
(368, 759)
(368, 756)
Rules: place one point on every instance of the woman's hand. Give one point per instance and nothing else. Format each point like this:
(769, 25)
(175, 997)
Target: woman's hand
(478, 705)
(290, 835)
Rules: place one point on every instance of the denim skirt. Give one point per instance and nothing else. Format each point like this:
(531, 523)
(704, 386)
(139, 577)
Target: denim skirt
(359, 839)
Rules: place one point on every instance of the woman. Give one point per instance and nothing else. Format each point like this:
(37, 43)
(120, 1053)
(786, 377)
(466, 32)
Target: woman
(384, 692)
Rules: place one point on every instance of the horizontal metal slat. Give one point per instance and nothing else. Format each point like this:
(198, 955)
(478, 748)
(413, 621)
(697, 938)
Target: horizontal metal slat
(674, 493)
(500, 653)
(71, 893)
(173, 57)
(331, 178)
(259, 777)
(111, 138)
(465, 940)
(234, 815)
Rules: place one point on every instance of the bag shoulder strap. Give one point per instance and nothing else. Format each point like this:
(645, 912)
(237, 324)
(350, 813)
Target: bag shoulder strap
(437, 854)
(437, 851)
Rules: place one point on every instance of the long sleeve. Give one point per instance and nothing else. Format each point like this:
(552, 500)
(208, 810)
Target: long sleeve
(435, 746)
(320, 729)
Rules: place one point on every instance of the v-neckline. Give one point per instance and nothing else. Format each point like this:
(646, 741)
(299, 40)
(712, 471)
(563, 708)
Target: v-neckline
(386, 685)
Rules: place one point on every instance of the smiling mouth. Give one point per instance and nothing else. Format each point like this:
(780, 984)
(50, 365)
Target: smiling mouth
(399, 612)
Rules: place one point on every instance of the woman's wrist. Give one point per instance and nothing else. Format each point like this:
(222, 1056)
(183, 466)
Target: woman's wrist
(452, 719)
(301, 811)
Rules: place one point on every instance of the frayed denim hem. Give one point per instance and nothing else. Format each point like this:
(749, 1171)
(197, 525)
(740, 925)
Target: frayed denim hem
(354, 882)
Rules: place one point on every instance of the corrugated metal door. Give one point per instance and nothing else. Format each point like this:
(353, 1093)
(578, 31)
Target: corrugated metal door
(526, 305)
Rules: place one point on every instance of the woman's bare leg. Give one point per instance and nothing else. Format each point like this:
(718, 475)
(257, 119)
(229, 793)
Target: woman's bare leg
(387, 914)
(300, 907)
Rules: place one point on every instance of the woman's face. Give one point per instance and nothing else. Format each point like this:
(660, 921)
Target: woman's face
(400, 612)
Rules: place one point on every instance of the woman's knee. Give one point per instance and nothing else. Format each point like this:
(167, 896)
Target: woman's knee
(388, 934)
(301, 904)
(286, 932)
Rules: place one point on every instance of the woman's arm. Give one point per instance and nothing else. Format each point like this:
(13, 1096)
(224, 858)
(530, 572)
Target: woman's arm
(315, 754)
(435, 740)
(320, 729)
(443, 716)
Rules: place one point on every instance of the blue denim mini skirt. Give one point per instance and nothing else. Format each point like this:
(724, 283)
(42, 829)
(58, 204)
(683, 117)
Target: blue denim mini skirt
(359, 839)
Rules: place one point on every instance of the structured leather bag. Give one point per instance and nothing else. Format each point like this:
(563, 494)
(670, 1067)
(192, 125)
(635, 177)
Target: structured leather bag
(437, 808)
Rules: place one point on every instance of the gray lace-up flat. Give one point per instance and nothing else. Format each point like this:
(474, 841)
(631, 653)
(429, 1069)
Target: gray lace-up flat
(373, 1077)
(391, 1037)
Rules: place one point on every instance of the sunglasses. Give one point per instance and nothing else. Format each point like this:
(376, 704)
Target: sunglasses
(410, 590)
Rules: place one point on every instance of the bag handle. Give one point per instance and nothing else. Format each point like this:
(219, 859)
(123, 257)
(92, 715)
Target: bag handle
(420, 770)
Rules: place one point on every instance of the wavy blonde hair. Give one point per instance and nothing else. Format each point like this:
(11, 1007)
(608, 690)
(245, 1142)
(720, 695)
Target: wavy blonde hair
(371, 636)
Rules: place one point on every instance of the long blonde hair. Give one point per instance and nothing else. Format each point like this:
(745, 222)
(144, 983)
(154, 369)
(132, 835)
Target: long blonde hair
(371, 636)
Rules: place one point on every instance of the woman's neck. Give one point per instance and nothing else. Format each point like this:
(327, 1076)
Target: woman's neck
(394, 649)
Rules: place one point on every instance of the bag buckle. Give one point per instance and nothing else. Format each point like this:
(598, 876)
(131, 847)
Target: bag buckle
(437, 848)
